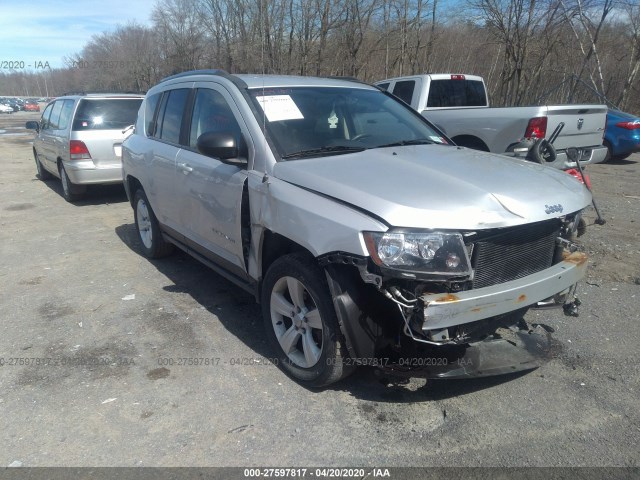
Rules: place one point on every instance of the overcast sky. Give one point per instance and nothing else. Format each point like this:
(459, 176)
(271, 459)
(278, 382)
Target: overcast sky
(34, 31)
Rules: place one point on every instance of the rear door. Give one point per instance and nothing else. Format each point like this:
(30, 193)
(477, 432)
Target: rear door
(42, 141)
(52, 142)
(165, 146)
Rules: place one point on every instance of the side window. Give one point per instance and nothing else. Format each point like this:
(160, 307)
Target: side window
(65, 114)
(44, 122)
(404, 90)
(211, 113)
(169, 128)
(384, 86)
(54, 119)
(150, 107)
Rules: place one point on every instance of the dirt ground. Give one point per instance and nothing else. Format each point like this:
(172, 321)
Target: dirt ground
(96, 342)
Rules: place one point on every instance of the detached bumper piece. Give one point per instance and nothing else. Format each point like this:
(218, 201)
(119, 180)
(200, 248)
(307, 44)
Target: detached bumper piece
(515, 352)
(448, 310)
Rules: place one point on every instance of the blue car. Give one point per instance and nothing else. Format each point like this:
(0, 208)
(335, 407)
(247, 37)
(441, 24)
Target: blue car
(622, 136)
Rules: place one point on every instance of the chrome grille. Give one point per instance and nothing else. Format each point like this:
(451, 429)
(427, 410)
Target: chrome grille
(509, 254)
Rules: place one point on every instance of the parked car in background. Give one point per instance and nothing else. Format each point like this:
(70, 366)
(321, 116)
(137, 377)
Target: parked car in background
(622, 137)
(79, 139)
(11, 102)
(5, 108)
(31, 106)
(366, 236)
(459, 105)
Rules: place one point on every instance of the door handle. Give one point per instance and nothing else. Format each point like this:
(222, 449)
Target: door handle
(186, 169)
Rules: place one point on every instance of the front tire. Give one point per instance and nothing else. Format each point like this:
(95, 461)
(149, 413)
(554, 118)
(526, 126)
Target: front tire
(70, 191)
(153, 243)
(301, 322)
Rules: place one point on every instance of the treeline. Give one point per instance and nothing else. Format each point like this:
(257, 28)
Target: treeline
(529, 51)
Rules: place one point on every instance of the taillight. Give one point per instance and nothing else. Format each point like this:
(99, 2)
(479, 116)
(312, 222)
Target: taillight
(575, 173)
(457, 77)
(635, 125)
(78, 150)
(537, 127)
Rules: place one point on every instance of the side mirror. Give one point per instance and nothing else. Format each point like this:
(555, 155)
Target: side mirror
(220, 145)
(32, 125)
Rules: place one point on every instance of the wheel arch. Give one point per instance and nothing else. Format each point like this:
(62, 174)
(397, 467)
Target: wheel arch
(471, 141)
(131, 185)
(274, 246)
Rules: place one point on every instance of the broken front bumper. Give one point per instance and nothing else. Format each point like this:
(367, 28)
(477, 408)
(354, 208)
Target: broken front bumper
(447, 310)
(516, 351)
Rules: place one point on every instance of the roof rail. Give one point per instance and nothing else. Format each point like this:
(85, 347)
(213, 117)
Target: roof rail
(217, 72)
(101, 93)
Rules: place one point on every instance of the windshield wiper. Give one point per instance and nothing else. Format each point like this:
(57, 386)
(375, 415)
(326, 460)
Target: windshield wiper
(333, 150)
(401, 143)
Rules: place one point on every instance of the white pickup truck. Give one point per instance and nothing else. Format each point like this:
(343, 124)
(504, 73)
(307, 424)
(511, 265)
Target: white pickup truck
(459, 106)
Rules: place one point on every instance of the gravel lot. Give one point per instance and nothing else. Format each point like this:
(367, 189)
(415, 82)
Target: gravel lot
(111, 392)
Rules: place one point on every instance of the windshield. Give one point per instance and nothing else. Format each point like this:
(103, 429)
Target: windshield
(313, 121)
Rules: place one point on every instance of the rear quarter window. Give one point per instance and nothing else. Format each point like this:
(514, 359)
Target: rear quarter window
(54, 119)
(65, 115)
(404, 90)
(106, 114)
(150, 108)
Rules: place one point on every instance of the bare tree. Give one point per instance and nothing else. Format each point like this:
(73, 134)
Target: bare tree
(515, 24)
(586, 19)
(632, 74)
(180, 32)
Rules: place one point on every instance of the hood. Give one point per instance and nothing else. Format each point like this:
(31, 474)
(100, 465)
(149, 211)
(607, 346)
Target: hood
(437, 186)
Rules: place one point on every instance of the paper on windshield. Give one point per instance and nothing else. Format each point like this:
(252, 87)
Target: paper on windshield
(279, 107)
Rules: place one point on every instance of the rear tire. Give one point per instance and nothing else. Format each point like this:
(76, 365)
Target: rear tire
(152, 242)
(301, 322)
(70, 191)
(609, 151)
(471, 142)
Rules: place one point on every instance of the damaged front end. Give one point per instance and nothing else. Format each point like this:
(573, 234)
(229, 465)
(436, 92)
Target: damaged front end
(457, 299)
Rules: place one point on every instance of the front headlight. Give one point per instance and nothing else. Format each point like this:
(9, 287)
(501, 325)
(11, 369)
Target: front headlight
(428, 252)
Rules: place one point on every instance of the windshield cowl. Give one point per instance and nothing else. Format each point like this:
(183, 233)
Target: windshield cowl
(316, 152)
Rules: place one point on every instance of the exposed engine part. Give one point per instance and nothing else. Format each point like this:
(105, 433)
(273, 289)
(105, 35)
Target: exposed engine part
(571, 309)
(341, 258)
(399, 295)
(440, 335)
(568, 244)
(582, 227)
(391, 297)
(368, 277)
(409, 332)
(571, 227)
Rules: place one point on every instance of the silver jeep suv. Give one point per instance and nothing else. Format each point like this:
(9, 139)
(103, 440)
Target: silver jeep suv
(366, 235)
(79, 139)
